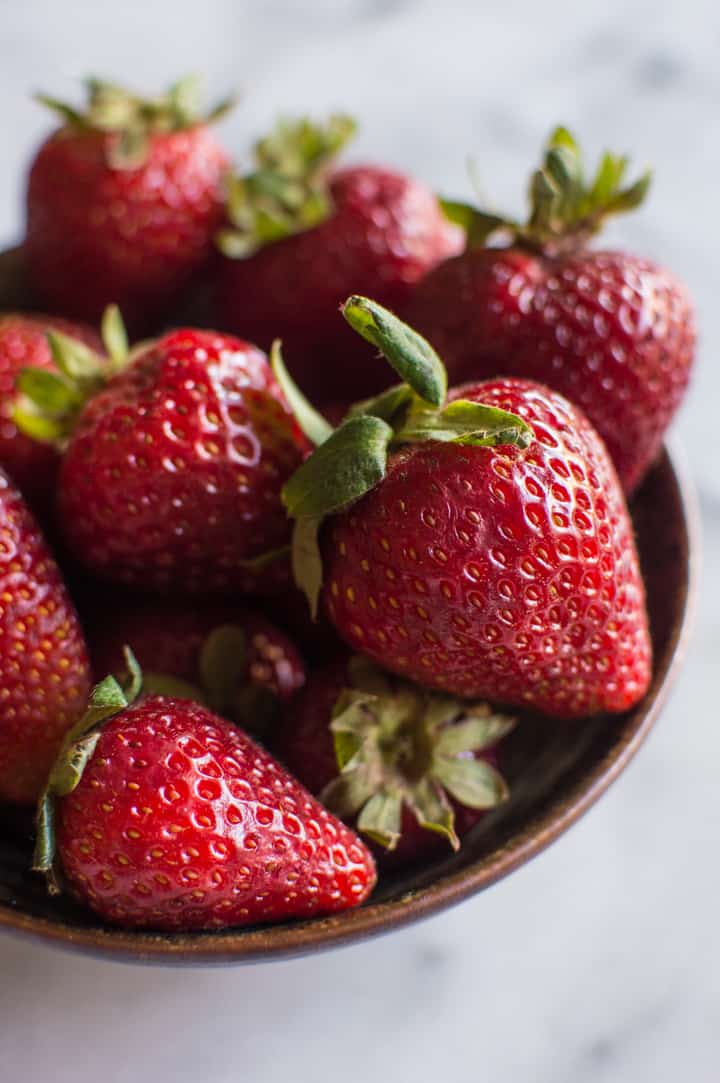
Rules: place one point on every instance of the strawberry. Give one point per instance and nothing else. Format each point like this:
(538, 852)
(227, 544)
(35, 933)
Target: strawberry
(302, 235)
(123, 202)
(23, 344)
(612, 332)
(240, 664)
(172, 471)
(168, 817)
(480, 546)
(411, 769)
(44, 670)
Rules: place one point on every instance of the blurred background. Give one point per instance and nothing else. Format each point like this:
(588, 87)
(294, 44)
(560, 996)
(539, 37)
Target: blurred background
(600, 961)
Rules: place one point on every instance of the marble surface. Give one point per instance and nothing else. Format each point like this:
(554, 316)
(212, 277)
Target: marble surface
(599, 962)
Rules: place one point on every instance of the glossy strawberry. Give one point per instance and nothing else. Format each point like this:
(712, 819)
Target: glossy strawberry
(23, 344)
(613, 332)
(355, 735)
(324, 233)
(176, 820)
(122, 203)
(172, 474)
(44, 670)
(241, 664)
(481, 547)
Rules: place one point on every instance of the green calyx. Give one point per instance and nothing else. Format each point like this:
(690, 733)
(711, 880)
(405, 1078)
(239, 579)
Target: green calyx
(351, 460)
(49, 403)
(224, 685)
(113, 110)
(566, 206)
(107, 699)
(399, 746)
(287, 191)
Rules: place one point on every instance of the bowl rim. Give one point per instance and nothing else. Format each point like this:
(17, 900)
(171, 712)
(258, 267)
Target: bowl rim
(286, 941)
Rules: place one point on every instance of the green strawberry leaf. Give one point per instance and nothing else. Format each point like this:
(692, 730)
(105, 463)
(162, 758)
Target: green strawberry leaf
(68, 771)
(74, 359)
(306, 559)
(433, 811)
(70, 116)
(565, 168)
(543, 200)
(350, 463)
(348, 793)
(478, 225)
(128, 148)
(114, 337)
(381, 818)
(473, 783)
(473, 735)
(235, 244)
(299, 147)
(313, 424)
(107, 699)
(412, 356)
(133, 684)
(48, 391)
(466, 422)
(562, 138)
(51, 402)
(607, 180)
(461, 214)
(37, 426)
(631, 197)
(185, 97)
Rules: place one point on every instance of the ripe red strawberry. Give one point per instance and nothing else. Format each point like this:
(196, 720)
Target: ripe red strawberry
(612, 332)
(355, 735)
(483, 547)
(123, 202)
(241, 665)
(171, 818)
(44, 670)
(23, 344)
(305, 235)
(172, 475)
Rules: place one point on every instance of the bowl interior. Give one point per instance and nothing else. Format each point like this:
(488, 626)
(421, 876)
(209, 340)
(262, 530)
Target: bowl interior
(556, 770)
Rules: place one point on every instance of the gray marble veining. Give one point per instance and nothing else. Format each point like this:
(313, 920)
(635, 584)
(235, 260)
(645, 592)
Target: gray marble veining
(598, 963)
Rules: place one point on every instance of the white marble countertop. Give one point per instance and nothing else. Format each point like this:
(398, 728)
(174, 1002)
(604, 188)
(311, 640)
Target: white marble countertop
(599, 962)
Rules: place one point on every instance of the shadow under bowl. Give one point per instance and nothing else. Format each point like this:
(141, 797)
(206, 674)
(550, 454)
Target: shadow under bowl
(556, 772)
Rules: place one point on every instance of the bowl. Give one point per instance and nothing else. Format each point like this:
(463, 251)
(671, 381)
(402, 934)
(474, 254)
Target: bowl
(556, 772)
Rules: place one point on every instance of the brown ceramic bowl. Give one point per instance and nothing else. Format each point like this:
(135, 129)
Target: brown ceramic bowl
(556, 772)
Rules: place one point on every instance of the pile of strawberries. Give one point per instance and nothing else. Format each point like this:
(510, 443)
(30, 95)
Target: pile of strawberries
(254, 649)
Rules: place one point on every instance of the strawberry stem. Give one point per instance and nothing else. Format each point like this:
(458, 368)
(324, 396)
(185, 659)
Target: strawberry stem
(107, 699)
(566, 207)
(352, 460)
(50, 403)
(287, 192)
(398, 745)
(133, 120)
